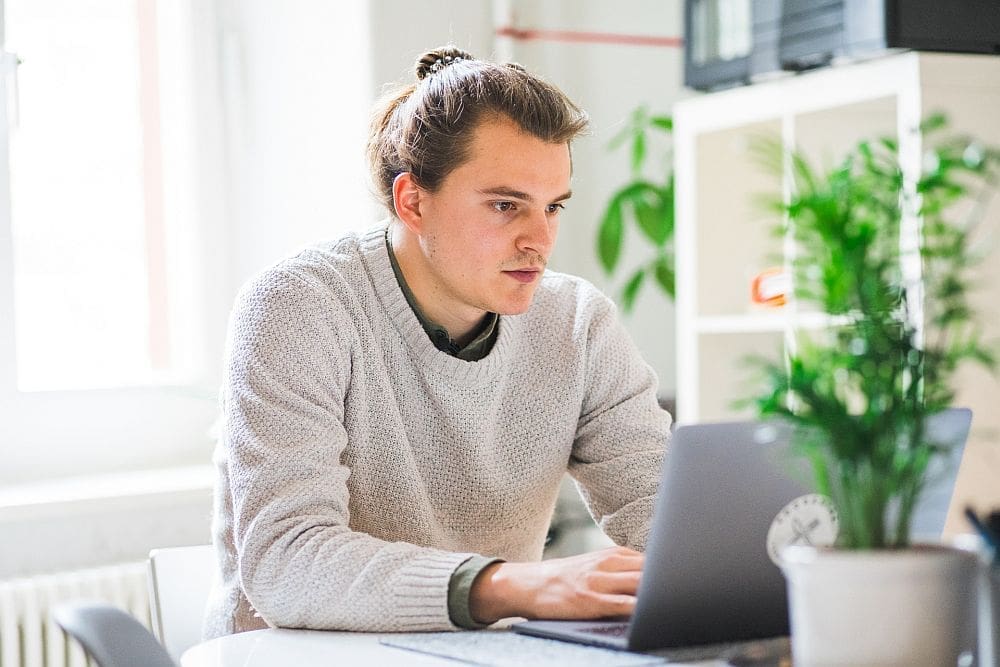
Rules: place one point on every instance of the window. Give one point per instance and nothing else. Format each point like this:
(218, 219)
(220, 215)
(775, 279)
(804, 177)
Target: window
(157, 153)
(110, 328)
(88, 168)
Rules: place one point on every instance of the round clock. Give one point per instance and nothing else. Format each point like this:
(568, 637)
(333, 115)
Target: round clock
(809, 520)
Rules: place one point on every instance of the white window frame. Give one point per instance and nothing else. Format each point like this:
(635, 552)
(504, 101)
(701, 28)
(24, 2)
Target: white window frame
(281, 164)
(51, 434)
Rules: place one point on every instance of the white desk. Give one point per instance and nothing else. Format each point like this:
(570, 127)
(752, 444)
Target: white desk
(271, 648)
(307, 648)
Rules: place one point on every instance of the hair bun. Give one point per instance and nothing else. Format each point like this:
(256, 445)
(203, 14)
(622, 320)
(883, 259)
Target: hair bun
(436, 60)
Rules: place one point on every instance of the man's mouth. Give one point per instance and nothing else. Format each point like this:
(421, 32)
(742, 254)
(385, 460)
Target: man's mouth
(524, 275)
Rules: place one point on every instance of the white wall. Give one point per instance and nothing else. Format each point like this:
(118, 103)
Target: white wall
(403, 31)
(296, 87)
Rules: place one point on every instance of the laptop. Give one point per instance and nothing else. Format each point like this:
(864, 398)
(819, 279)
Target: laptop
(731, 497)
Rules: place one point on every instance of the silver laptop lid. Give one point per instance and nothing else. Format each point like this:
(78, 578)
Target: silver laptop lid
(709, 576)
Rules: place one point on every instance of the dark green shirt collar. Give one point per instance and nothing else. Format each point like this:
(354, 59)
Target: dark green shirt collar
(477, 349)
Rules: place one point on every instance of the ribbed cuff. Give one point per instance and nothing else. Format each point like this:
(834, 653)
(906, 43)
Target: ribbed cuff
(459, 588)
(422, 595)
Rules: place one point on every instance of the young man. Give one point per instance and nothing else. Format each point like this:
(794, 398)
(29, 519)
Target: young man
(401, 405)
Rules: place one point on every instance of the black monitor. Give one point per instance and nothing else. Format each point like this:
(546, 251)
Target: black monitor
(733, 42)
(718, 40)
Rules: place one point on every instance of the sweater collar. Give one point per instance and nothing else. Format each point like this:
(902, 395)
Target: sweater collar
(375, 255)
(474, 350)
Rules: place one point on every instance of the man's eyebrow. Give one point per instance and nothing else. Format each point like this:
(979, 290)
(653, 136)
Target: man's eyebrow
(504, 191)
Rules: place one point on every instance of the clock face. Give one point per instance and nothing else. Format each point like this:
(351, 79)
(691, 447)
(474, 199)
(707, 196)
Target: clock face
(809, 520)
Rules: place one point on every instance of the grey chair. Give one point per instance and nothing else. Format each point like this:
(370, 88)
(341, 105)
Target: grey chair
(110, 636)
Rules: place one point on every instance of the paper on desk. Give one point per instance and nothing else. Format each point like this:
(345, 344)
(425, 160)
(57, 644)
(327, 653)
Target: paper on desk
(491, 648)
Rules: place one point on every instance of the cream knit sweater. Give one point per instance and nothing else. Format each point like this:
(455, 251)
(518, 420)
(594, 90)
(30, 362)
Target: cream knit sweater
(359, 466)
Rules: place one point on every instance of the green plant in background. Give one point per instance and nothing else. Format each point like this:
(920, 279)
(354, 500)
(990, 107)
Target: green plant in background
(859, 394)
(649, 204)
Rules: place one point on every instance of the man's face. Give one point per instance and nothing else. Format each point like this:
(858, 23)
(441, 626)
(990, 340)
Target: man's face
(491, 226)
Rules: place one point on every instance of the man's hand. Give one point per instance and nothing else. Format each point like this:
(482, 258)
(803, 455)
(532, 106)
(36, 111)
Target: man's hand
(592, 585)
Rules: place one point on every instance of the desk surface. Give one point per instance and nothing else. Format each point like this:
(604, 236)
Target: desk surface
(305, 648)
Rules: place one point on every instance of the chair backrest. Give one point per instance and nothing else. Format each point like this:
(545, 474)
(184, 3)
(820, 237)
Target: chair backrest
(180, 580)
(110, 636)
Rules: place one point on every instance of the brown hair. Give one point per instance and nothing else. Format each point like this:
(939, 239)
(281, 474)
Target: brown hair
(426, 128)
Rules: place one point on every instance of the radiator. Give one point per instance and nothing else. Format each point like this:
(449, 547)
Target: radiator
(28, 635)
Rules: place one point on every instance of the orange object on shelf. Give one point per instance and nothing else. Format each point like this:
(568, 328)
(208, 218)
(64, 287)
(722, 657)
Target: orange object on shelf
(771, 287)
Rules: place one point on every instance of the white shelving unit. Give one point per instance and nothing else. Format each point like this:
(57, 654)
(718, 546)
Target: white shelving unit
(724, 233)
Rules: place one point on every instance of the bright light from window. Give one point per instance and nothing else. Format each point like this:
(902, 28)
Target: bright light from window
(86, 190)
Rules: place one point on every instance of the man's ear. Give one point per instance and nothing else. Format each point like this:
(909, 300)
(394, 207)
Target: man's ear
(406, 198)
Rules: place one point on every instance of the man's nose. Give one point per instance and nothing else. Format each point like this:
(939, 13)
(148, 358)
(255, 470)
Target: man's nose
(538, 235)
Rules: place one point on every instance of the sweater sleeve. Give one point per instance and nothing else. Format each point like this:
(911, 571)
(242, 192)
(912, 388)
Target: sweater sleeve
(622, 432)
(300, 565)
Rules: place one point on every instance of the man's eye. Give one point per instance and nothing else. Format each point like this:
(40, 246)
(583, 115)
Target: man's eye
(555, 208)
(504, 206)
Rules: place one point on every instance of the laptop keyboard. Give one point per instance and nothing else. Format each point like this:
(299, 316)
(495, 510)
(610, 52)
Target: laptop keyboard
(501, 648)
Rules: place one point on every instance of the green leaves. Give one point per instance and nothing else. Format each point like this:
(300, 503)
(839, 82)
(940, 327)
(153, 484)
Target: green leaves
(859, 394)
(632, 289)
(646, 204)
(638, 151)
(663, 271)
(665, 123)
(610, 235)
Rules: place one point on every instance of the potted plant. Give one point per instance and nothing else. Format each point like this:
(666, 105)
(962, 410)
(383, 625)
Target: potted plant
(860, 393)
(647, 203)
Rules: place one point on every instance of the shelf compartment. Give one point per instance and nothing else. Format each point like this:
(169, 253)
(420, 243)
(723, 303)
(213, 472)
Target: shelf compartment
(768, 322)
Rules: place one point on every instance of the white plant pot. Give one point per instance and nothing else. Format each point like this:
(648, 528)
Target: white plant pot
(910, 607)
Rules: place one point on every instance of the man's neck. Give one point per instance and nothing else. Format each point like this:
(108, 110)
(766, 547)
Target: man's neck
(462, 322)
